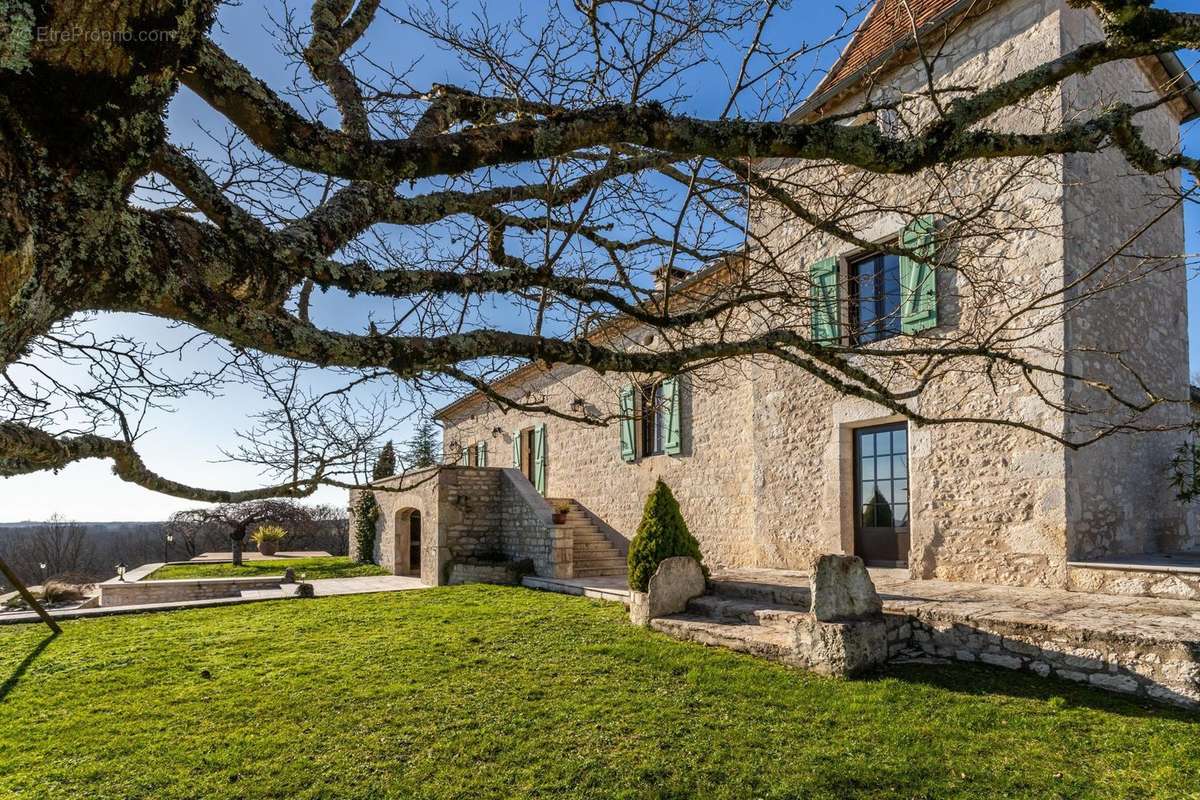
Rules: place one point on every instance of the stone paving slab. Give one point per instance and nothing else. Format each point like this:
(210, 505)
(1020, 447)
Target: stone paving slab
(323, 587)
(1052, 609)
(217, 556)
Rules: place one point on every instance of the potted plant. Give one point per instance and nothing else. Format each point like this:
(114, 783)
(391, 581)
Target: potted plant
(561, 510)
(267, 537)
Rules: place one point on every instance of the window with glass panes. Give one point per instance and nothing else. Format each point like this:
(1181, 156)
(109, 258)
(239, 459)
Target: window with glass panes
(874, 289)
(883, 477)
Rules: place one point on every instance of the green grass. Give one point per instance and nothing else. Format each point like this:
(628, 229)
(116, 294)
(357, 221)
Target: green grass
(482, 692)
(324, 567)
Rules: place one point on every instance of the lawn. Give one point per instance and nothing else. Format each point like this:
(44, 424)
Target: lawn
(488, 692)
(324, 567)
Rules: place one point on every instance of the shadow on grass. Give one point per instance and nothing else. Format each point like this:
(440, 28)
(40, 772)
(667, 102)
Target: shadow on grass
(980, 680)
(17, 673)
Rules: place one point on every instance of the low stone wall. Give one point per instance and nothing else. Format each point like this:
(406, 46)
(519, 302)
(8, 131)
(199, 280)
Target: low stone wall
(527, 528)
(136, 593)
(503, 573)
(1160, 669)
(1168, 584)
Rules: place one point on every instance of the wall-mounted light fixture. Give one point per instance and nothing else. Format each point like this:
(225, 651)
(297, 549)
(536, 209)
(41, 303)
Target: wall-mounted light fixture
(496, 431)
(577, 405)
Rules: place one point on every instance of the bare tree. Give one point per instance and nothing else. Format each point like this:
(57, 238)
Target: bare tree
(55, 547)
(502, 220)
(238, 519)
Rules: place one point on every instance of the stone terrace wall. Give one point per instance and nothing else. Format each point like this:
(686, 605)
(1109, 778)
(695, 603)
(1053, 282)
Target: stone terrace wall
(527, 528)
(136, 593)
(468, 514)
(1164, 671)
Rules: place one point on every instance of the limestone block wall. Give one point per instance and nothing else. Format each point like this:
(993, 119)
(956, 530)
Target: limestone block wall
(986, 502)
(136, 593)
(1124, 298)
(468, 514)
(527, 528)
(710, 477)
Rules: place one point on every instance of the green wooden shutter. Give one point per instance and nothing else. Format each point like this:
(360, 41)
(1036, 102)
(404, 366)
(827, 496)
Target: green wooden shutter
(539, 458)
(626, 406)
(918, 277)
(517, 449)
(824, 277)
(481, 454)
(464, 458)
(670, 391)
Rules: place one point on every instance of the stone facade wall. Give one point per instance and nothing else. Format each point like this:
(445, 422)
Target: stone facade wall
(1129, 301)
(986, 502)
(710, 477)
(417, 491)
(766, 474)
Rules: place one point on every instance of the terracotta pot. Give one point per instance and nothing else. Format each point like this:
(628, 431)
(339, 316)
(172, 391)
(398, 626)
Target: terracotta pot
(268, 548)
(560, 517)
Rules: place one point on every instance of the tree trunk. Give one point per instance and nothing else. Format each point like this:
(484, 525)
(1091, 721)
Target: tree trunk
(237, 550)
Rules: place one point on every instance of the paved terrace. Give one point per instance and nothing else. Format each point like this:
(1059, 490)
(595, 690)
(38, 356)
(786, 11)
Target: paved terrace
(1134, 645)
(322, 587)
(1050, 609)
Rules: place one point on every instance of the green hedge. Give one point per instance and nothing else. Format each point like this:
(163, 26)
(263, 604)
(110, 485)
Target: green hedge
(661, 535)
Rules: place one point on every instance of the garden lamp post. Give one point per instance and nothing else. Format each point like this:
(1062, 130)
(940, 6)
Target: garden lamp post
(121, 571)
(42, 566)
(170, 537)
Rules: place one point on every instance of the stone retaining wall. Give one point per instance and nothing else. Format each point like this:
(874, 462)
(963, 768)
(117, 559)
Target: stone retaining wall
(503, 573)
(136, 593)
(1161, 670)
(528, 529)
(1173, 585)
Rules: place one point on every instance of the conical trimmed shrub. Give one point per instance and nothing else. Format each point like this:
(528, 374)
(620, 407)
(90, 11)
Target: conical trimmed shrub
(661, 535)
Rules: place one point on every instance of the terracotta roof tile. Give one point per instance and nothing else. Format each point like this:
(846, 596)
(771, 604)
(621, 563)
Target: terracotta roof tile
(887, 23)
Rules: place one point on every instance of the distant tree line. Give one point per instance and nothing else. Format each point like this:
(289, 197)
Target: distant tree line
(89, 551)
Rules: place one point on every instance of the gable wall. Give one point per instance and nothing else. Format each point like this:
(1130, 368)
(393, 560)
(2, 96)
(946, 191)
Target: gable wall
(987, 502)
(1119, 500)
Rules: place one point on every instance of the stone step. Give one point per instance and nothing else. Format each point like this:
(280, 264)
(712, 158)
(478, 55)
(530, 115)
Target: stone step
(724, 609)
(597, 572)
(600, 561)
(768, 594)
(593, 543)
(769, 642)
(589, 530)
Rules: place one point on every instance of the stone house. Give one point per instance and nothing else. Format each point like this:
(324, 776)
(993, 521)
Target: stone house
(772, 466)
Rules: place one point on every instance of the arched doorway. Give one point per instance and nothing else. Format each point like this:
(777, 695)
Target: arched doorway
(414, 542)
(406, 553)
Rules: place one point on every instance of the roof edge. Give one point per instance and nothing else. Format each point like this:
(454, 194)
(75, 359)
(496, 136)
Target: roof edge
(820, 98)
(1170, 61)
(608, 326)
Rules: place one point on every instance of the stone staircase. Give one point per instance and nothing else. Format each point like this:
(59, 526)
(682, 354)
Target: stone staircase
(746, 618)
(594, 554)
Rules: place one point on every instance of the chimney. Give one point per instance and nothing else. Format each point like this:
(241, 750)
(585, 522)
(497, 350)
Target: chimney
(678, 275)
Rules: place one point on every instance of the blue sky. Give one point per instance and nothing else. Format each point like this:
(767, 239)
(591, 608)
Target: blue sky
(184, 443)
